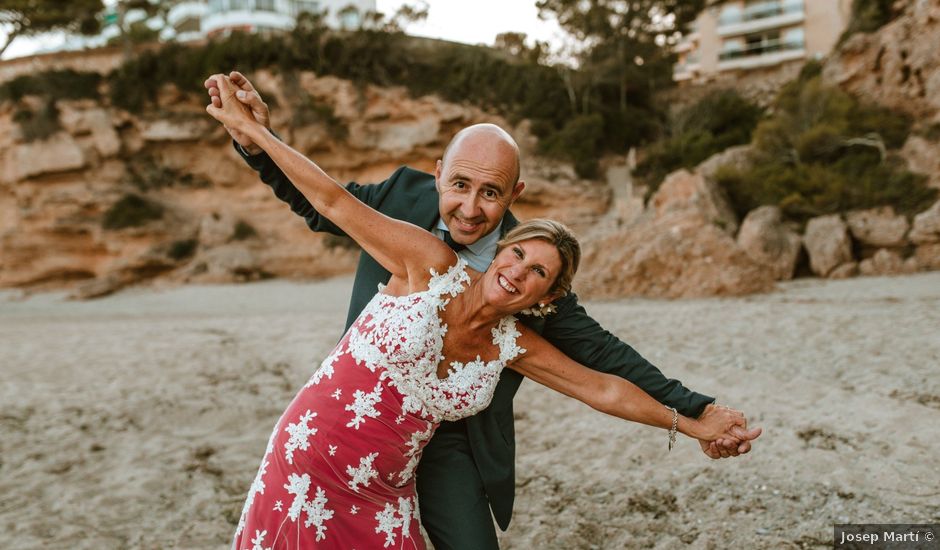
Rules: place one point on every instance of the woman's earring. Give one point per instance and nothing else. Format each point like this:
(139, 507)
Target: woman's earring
(543, 310)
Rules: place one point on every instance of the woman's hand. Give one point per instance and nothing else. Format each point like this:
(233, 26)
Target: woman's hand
(232, 113)
(718, 422)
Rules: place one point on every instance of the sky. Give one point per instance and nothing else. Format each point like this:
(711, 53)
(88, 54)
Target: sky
(476, 22)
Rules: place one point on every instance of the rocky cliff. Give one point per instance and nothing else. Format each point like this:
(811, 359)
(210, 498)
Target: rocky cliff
(112, 199)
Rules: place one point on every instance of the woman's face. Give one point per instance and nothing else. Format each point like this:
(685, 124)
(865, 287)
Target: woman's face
(522, 275)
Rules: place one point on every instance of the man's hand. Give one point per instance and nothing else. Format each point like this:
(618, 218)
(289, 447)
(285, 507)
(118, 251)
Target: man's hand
(725, 447)
(246, 94)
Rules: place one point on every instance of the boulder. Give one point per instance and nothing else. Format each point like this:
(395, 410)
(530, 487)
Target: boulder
(58, 153)
(738, 157)
(686, 191)
(884, 262)
(928, 256)
(828, 243)
(878, 227)
(769, 242)
(844, 271)
(926, 226)
(677, 255)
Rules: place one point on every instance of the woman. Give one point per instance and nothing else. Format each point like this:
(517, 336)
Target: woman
(338, 471)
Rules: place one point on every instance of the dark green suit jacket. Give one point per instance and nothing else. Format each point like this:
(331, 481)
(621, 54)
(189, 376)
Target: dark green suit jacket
(410, 195)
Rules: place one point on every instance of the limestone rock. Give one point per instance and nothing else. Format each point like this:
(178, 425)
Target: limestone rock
(878, 227)
(738, 156)
(844, 271)
(767, 241)
(187, 128)
(96, 123)
(683, 191)
(828, 243)
(926, 226)
(58, 153)
(216, 229)
(928, 256)
(884, 262)
(676, 255)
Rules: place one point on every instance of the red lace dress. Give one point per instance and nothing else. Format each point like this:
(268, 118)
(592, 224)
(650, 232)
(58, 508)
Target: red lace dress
(338, 471)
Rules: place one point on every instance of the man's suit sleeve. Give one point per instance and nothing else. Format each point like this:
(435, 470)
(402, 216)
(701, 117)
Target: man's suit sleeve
(284, 189)
(581, 338)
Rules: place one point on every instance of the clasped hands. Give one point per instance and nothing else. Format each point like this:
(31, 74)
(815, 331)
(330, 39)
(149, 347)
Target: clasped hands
(733, 437)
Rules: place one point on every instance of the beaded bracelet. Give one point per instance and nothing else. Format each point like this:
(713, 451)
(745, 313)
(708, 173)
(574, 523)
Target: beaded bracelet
(675, 426)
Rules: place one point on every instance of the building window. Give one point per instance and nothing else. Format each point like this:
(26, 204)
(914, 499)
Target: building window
(238, 5)
(304, 6)
(216, 6)
(794, 37)
(264, 5)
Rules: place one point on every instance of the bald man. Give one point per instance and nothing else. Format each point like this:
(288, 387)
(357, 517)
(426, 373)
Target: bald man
(468, 468)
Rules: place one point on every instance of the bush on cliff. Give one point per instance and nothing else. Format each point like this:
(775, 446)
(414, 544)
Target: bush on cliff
(720, 120)
(823, 152)
(131, 211)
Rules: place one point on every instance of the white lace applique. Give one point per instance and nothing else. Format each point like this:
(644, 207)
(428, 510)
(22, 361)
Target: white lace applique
(405, 336)
(417, 438)
(257, 486)
(363, 405)
(258, 541)
(317, 513)
(362, 475)
(389, 520)
(326, 367)
(299, 436)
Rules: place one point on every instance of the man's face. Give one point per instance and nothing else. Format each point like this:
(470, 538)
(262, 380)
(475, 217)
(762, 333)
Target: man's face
(476, 183)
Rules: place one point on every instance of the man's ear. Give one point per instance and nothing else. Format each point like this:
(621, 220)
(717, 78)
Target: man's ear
(437, 175)
(516, 191)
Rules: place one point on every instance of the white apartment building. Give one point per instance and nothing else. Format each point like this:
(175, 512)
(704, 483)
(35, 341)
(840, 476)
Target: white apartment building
(199, 19)
(745, 35)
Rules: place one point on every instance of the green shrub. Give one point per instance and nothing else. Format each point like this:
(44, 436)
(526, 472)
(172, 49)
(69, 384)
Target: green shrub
(718, 121)
(578, 142)
(868, 16)
(243, 230)
(54, 85)
(183, 249)
(38, 125)
(131, 211)
(824, 152)
(146, 173)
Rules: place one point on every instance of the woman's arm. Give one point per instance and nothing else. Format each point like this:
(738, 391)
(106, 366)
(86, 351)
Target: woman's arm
(613, 395)
(405, 250)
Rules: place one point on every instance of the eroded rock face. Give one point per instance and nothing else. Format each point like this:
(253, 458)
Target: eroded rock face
(683, 190)
(928, 256)
(769, 242)
(884, 262)
(828, 243)
(680, 247)
(58, 153)
(926, 226)
(878, 227)
(678, 255)
(897, 66)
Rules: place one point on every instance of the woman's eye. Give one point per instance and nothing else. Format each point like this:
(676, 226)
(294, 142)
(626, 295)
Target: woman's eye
(517, 252)
(540, 271)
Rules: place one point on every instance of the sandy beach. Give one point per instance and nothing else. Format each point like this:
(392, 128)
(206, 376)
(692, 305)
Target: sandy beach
(138, 420)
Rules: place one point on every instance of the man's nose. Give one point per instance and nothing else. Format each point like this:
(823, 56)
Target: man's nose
(470, 207)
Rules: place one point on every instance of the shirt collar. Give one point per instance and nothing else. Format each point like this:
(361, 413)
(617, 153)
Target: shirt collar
(484, 244)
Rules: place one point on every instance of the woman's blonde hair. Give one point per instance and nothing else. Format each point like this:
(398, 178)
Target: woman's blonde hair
(554, 233)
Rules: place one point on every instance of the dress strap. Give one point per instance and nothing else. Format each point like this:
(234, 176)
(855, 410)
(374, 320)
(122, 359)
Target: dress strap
(505, 334)
(452, 282)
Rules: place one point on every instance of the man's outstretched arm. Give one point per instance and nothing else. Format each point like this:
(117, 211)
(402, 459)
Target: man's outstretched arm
(581, 338)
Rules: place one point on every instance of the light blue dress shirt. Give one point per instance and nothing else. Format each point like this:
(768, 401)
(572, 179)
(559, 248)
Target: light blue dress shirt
(478, 255)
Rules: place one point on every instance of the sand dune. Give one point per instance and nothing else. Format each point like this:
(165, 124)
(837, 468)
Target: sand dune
(138, 421)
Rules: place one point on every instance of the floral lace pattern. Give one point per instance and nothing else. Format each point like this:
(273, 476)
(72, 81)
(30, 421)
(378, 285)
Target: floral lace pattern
(405, 335)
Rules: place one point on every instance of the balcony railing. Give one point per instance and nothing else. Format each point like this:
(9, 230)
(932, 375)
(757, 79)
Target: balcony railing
(771, 46)
(764, 10)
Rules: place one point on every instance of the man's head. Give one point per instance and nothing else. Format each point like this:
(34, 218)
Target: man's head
(477, 180)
